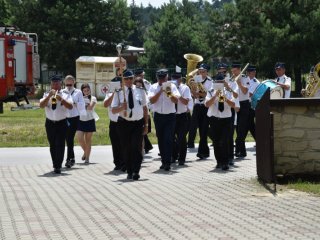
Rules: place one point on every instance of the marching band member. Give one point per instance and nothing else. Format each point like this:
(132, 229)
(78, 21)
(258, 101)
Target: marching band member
(283, 80)
(133, 124)
(113, 129)
(243, 113)
(87, 125)
(232, 87)
(199, 115)
(139, 73)
(56, 103)
(180, 146)
(254, 83)
(163, 105)
(73, 117)
(219, 103)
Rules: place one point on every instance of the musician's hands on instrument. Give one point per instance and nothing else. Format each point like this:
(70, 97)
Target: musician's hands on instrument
(52, 92)
(59, 98)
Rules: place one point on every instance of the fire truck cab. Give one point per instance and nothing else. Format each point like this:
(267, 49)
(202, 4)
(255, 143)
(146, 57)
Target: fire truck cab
(19, 65)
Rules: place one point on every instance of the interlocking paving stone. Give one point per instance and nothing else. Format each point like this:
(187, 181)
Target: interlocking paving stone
(195, 201)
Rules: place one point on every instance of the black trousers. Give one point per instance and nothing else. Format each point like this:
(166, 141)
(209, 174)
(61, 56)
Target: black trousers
(251, 123)
(116, 144)
(56, 134)
(200, 112)
(165, 124)
(131, 135)
(180, 137)
(231, 140)
(220, 134)
(71, 132)
(147, 143)
(192, 128)
(242, 126)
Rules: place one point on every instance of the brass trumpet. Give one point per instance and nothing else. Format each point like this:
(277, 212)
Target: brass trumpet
(221, 97)
(168, 91)
(54, 101)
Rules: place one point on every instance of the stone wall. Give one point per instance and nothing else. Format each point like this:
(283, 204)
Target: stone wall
(296, 137)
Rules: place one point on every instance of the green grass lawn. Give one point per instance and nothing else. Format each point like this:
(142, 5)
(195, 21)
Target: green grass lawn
(25, 128)
(305, 186)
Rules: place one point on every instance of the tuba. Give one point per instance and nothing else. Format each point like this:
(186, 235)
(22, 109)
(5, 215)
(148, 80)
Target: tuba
(192, 62)
(313, 81)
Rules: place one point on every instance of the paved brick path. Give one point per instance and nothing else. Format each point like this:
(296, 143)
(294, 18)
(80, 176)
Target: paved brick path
(191, 202)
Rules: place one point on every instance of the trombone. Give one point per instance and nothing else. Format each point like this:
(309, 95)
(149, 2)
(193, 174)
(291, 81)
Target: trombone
(236, 78)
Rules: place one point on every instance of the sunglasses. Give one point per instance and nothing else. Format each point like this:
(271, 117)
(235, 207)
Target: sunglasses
(130, 78)
(69, 85)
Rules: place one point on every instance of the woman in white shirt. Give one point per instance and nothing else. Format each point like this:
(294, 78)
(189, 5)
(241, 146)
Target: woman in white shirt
(87, 124)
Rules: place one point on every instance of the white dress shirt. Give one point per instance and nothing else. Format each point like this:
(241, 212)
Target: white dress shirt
(207, 84)
(78, 103)
(90, 114)
(60, 112)
(139, 101)
(112, 116)
(213, 109)
(246, 83)
(287, 81)
(184, 91)
(163, 105)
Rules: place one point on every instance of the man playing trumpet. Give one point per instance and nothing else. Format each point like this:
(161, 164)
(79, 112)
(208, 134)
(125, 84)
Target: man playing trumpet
(219, 103)
(56, 102)
(163, 105)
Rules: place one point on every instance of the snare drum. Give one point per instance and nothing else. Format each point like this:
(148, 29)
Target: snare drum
(275, 92)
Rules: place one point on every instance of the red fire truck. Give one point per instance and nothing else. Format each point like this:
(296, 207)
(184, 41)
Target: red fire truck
(19, 65)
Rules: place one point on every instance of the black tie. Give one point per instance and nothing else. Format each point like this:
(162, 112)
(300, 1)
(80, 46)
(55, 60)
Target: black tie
(221, 106)
(130, 98)
(278, 79)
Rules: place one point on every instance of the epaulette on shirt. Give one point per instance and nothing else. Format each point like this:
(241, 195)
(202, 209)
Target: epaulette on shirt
(243, 75)
(254, 80)
(65, 91)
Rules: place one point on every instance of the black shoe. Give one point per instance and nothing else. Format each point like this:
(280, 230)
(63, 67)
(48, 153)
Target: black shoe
(57, 170)
(72, 162)
(218, 166)
(68, 163)
(162, 166)
(231, 162)
(129, 176)
(190, 146)
(225, 167)
(167, 167)
(242, 155)
(237, 154)
(173, 160)
(117, 168)
(202, 156)
(136, 176)
(181, 163)
(159, 154)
